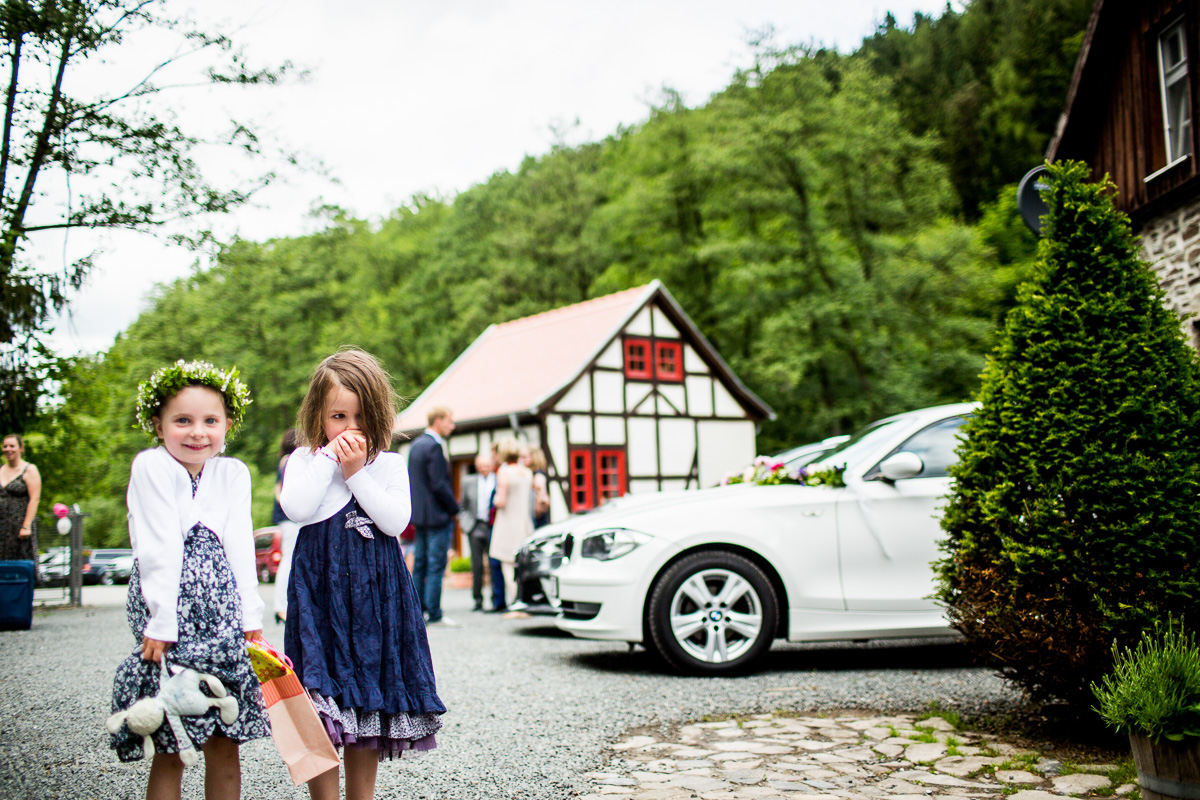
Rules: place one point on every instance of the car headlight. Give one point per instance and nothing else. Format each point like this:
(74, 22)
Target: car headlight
(612, 543)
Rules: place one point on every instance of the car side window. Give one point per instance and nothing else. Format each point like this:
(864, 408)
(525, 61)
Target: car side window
(935, 445)
(262, 541)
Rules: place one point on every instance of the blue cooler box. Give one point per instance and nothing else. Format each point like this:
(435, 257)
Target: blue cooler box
(16, 595)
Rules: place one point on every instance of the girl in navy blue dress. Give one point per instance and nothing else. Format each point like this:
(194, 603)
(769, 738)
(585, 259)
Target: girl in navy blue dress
(354, 628)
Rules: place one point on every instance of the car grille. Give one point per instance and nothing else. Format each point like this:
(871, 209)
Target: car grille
(583, 611)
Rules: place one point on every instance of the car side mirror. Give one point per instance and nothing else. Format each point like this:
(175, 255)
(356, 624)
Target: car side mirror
(900, 466)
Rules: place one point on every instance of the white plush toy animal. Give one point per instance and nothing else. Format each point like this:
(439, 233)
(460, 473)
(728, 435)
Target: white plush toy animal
(178, 696)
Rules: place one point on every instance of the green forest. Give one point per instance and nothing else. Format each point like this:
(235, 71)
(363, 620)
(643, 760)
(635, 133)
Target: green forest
(842, 227)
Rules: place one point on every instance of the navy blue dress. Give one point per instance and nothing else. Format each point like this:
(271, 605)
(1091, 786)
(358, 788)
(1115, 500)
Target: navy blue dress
(356, 636)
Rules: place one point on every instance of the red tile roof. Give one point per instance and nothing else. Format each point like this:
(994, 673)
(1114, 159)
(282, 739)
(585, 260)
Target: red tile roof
(515, 365)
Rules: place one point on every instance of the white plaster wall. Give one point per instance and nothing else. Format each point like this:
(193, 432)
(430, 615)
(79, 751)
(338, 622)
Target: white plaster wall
(699, 390)
(559, 508)
(643, 487)
(636, 395)
(578, 397)
(580, 430)
(643, 447)
(609, 388)
(640, 324)
(610, 430)
(613, 356)
(674, 485)
(675, 402)
(692, 362)
(726, 406)
(724, 447)
(466, 444)
(662, 325)
(556, 441)
(677, 438)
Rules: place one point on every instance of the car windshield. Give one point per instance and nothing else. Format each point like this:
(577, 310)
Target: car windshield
(852, 449)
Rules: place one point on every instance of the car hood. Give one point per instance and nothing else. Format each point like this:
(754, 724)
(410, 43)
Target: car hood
(664, 518)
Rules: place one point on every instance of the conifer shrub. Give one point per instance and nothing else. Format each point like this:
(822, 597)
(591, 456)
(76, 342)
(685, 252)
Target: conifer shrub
(1075, 520)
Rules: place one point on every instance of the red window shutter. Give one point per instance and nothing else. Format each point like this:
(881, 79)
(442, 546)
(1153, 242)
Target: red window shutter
(637, 360)
(581, 480)
(611, 476)
(668, 361)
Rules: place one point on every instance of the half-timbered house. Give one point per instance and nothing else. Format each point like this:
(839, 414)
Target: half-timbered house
(1128, 114)
(623, 393)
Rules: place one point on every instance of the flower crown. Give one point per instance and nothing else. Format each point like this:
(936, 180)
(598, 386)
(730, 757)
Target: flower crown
(166, 382)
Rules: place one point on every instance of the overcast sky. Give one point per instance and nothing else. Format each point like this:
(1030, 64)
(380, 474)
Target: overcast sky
(408, 97)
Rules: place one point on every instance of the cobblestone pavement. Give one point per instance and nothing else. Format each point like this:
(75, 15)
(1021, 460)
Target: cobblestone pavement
(765, 756)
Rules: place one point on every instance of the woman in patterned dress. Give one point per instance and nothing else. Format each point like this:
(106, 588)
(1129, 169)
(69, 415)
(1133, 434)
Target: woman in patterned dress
(20, 490)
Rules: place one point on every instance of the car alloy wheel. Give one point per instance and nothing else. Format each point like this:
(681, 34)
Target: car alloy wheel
(106, 579)
(713, 613)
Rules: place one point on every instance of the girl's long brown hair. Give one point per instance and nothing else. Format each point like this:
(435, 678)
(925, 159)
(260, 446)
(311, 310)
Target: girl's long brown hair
(361, 373)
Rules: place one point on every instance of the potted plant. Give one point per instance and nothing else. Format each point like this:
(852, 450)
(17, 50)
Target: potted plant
(1153, 694)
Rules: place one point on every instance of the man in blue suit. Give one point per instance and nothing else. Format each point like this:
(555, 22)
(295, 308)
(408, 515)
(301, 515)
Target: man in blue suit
(433, 510)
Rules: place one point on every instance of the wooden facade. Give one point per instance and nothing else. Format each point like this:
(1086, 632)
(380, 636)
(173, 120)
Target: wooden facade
(1114, 117)
(1137, 75)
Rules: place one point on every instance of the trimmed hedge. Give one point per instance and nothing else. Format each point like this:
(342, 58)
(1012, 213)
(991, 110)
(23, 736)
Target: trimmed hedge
(1075, 520)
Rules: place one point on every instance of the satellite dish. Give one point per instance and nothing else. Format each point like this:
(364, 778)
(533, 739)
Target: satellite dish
(1029, 198)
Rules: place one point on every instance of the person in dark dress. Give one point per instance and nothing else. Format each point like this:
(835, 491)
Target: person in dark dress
(354, 629)
(20, 490)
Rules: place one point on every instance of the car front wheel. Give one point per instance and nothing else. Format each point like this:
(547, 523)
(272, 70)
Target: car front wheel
(713, 613)
(106, 580)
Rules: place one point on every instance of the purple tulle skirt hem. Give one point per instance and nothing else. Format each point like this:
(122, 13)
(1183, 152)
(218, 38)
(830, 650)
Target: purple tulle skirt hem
(392, 735)
(388, 748)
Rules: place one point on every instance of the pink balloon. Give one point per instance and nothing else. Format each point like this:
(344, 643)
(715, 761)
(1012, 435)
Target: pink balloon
(60, 510)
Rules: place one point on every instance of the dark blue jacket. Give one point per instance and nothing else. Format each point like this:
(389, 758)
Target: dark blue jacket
(433, 502)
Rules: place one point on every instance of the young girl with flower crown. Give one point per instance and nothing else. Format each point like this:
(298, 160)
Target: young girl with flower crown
(193, 593)
(354, 629)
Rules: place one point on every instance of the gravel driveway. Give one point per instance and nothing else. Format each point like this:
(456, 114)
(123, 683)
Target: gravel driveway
(531, 709)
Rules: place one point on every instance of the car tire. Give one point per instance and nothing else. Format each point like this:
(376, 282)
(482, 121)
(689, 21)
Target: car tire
(106, 580)
(713, 613)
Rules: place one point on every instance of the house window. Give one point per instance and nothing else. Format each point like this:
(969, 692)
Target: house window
(647, 359)
(581, 480)
(668, 361)
(1176, 94)
(637, 359)
(610, 474)
(596, 476)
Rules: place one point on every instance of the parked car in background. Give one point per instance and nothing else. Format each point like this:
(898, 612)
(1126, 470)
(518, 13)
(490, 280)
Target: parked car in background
(709, 579)
(268, 552)
(108, 566)
(805, 454)
(54, 567)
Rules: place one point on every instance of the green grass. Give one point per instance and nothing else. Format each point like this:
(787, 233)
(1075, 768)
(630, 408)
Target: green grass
(936, 710)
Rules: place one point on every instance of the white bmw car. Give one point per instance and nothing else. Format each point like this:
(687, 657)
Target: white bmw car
(708, 579)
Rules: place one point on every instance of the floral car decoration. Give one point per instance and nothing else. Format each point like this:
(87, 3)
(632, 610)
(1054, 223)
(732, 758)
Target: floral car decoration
(765, 471)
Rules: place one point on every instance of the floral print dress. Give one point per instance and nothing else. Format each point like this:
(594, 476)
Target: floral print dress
(210, 641)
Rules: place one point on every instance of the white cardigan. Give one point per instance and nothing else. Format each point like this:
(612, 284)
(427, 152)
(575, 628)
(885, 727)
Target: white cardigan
(162, 511)
(314, 490)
